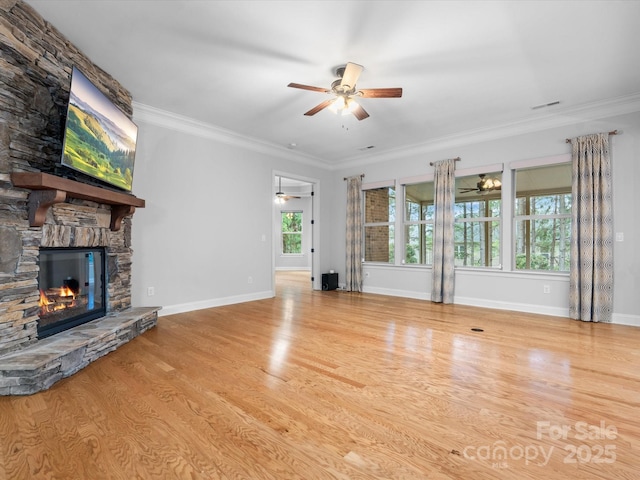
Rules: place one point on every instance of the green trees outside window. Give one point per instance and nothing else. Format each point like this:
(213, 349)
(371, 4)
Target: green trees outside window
(543, 218)
(291, 232)
(418, 223)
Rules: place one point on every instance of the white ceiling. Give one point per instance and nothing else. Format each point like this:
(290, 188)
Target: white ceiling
(465, 66)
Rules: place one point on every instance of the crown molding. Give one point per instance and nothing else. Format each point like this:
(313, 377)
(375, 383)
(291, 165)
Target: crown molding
(558, 118)
(180, 123)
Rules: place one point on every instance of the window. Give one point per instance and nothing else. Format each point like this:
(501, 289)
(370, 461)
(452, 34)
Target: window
(418, 223)
(543, 218)
(379, 218)
(477, 220)
(292, 233)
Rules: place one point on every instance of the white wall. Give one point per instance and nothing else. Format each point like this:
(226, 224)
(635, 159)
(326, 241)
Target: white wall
(205, 237)
(507, 289)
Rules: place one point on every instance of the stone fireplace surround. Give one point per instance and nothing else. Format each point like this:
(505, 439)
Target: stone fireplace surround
(30, 365)
(35, 67)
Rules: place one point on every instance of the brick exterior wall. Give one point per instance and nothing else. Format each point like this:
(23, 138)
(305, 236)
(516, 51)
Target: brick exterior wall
(376, 239)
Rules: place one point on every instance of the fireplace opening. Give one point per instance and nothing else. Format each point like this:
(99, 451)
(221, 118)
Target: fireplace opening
(72, 287)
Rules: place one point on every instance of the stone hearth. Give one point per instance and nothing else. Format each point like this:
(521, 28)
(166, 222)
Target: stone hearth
(40, 365)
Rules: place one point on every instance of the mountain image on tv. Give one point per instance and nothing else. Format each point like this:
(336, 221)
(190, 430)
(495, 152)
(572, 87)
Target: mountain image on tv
(99, 139)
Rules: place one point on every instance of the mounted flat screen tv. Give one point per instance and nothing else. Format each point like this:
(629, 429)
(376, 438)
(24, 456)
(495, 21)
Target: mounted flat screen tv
(99, 139)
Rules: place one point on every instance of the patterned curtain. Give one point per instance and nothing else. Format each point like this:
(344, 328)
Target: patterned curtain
(591, 271)
(442, 283)
(354, 234)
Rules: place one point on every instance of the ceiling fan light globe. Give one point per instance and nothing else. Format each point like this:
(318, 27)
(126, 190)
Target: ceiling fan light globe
(350, 106)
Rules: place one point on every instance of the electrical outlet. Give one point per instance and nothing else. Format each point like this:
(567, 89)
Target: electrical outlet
(546, 289)
(250, 280)
(151, 291)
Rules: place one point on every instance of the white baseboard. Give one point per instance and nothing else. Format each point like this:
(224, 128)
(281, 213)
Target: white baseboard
(397, 293)
(214, 302)
(618, 319)
(516, 307)
(622, 319)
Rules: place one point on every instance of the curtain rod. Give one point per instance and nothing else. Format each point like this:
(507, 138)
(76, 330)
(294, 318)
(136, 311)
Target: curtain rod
(614, 132)
(361, 176)
(457, 159)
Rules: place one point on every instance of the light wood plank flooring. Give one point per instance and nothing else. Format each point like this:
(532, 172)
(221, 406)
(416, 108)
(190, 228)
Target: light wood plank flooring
(336, 385)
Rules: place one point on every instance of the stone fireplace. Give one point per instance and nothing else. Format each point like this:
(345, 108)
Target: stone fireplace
(31, 359)
(41, 212)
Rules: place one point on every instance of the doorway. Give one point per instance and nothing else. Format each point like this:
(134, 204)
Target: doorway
(295, 230)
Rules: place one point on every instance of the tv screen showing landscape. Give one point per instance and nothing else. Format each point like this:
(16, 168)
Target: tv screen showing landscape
(99, 139)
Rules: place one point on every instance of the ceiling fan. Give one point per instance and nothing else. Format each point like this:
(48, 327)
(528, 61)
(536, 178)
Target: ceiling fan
(281, 197)
(345, 92)
(484, 185)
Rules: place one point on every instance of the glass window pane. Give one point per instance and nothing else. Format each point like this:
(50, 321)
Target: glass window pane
(413, 211)
(428, 211)
(477, 244)
(471, 186)
(291, 243)
(379, 243)
(419, 196)
(495, 208)
(291, 232)
(419, 244)
(380, 205)
(550, 204)
(291, 221)
(472, 209)
(543, 243)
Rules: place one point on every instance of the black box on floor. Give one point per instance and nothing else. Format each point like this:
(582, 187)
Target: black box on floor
(329, 281)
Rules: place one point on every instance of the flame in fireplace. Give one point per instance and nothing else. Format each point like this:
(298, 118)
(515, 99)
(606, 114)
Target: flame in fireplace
(55, 299)
(67, 292)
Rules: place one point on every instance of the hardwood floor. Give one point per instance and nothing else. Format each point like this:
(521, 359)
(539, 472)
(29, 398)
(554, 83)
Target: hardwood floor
(320, 385)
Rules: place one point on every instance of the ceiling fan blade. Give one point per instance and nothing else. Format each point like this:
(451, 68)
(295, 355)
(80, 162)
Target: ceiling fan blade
(309, 87)
(468, 190)
(351, 74)
(380, 92)
(360, 113)
(319, 107)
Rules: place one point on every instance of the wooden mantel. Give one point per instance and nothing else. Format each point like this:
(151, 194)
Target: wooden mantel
(49, 189)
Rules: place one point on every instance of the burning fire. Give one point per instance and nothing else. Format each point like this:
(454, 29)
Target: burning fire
(56, 299)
